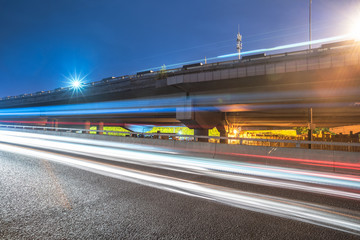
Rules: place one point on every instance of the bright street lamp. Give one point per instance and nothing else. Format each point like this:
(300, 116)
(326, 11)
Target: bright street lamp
(76, 84)
(76, 81)
(355, 33)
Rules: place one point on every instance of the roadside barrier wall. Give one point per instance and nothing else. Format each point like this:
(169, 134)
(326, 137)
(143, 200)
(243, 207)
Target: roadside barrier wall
(311, 159)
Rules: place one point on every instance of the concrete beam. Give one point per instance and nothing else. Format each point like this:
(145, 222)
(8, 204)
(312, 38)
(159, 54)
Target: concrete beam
(194, 119)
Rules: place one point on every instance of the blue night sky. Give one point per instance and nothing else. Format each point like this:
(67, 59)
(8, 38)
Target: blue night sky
(42, 41)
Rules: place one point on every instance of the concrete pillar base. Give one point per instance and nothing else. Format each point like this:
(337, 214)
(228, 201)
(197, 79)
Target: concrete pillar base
(87, 126)
(223, 133)
(201, 132)
(100, 128)
(52, 123)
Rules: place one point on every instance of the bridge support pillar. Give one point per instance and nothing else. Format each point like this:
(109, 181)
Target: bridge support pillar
(311, 126)
(87, 126)
(100, 128)
(200, 121)
(201, 132)
(223, 130)
(52, 123)
(55, 124)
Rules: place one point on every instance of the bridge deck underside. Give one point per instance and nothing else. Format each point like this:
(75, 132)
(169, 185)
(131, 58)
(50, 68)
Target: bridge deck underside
(280, 97)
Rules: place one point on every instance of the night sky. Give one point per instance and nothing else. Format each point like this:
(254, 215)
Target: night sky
(44, 41)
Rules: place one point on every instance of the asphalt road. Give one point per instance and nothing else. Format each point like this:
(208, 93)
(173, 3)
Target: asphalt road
(42, 199)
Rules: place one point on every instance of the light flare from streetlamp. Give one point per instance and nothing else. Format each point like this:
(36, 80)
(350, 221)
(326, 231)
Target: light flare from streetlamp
(354, 26)
(76, 81)
(356, 30)
(76, 84)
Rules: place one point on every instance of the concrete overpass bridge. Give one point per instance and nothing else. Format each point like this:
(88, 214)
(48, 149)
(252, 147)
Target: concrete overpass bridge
(257, 91)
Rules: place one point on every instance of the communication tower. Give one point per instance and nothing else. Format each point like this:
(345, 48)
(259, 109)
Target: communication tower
(239, 42)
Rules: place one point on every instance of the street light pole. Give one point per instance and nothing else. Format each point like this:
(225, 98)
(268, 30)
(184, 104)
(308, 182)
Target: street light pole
(310, 3)
(310, 110)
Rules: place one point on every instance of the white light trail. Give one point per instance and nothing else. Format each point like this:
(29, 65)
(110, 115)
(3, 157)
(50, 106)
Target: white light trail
(293, 45)
(210, 102)
(171, 160)
(267, 50)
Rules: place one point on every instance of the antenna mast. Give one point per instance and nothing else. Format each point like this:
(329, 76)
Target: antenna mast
(239, 42)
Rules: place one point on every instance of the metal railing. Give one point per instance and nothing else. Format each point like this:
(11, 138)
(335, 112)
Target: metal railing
(347, 146)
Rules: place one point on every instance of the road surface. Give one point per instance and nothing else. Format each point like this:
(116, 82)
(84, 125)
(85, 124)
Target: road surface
(57, 193)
